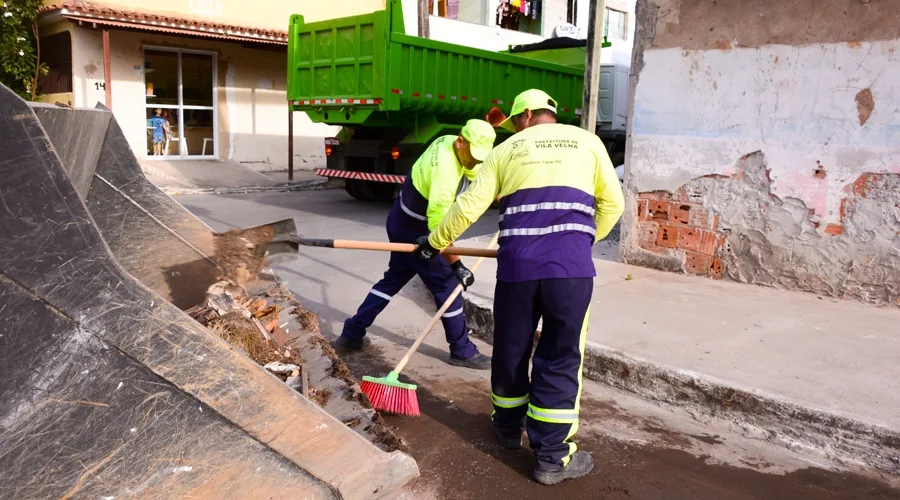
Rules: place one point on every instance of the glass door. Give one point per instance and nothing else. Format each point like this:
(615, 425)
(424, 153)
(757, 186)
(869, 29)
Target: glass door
(180, 103)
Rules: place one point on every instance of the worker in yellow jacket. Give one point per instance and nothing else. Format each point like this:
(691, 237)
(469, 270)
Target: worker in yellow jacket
(443, 171)
(559, 194)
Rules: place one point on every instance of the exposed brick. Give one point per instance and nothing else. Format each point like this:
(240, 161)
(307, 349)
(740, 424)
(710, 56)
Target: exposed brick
(658, 210)
(716, 268)
(648, 233)
(715, 223)
(834, 229)
(689, 238)
(700, 218)
(681, 195)
(668, 236)
(655, 195)
(642, 209)
(695, 263)
(679, 213)
(707, 242)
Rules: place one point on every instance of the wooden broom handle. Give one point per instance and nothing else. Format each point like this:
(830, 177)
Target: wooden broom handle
(441, 311)
(394, 247)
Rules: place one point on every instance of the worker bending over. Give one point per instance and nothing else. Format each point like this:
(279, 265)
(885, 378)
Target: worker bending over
(443, 171)
(559, 194)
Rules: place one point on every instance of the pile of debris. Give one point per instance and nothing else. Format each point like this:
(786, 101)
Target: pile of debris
(269, 325)
(252, 326)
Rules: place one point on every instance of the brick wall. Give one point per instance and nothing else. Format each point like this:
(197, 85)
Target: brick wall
(668, 221)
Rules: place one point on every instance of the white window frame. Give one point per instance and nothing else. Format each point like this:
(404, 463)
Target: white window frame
(182, 151)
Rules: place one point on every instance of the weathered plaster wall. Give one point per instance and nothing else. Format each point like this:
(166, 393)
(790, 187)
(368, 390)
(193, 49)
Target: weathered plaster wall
(773, 127)
(251, 111)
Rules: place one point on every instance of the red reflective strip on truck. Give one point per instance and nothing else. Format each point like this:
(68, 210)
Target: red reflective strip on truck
(496, 101)
(463, 98)
(440, 96)
(396, 91)
(365, 176)
(416, 94)
(336, 101)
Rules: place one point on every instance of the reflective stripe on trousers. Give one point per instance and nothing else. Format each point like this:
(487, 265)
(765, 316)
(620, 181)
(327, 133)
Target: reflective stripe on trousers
(554, 387)
(509, 402)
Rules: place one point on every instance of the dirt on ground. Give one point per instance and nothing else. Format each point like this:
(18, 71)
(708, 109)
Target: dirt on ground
(460, 459)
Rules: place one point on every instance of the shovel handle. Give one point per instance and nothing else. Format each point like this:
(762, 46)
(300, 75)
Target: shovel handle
(440, 312)
(393, 247)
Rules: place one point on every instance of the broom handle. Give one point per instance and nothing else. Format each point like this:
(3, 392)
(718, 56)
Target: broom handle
(441, 311)
(392, 247)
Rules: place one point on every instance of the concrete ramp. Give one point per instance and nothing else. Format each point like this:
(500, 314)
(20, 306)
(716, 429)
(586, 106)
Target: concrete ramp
(107, 389)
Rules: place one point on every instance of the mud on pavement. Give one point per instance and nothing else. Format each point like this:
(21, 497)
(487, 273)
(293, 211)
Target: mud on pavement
(459, 458)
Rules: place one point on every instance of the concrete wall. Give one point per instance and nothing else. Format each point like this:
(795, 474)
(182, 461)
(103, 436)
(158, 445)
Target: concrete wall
(764, 144)
(251, 117)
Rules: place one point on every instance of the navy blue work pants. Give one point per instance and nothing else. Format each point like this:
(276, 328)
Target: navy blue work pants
(435, 273)
(548, 403)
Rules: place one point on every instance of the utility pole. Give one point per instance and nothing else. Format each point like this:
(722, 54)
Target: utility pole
(424, 11)
(592, 66)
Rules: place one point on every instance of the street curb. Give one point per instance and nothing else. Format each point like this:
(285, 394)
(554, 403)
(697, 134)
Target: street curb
(312, 185)
(759, 415)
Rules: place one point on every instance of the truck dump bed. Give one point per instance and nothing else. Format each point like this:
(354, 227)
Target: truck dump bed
(107, 389)
(365, 69)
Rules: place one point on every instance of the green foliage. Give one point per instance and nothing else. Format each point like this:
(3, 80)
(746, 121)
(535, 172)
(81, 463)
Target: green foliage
(20, 66)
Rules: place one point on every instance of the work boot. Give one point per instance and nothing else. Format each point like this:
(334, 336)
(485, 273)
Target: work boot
(580, 465)
(508, 440)
(477, 362)
(348, 343)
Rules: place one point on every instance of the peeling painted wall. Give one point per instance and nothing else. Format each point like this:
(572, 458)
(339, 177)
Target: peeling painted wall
(764, 144)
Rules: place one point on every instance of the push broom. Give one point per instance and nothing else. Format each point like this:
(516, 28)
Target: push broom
(388, 394)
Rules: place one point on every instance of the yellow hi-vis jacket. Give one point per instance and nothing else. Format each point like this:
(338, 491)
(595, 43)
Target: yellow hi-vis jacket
(559, 194)
(438, 177)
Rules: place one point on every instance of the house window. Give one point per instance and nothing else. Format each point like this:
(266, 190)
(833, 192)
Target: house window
(615, 23)
(520, 15)
(572, 12)
(56, 53)
(180, 103)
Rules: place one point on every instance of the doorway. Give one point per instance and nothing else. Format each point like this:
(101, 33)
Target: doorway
(180, 94)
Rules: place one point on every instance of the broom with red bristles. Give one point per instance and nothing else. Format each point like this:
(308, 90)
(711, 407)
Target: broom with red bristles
(388, 394)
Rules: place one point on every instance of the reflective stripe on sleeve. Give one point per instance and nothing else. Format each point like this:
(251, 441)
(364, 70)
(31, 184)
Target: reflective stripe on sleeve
(411, 213)
(553, 416)
(559, 205)
(380, 294)
(509, 402)
(540, 231)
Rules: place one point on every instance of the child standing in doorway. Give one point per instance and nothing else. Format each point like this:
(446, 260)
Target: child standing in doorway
(160, 128)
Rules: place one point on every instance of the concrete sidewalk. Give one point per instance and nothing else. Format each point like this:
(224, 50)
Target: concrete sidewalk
(183, 177)
(788, 367)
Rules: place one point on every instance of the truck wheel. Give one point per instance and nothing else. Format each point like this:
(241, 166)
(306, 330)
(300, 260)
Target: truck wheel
(351, 186)
(383, 191)
(618, 159)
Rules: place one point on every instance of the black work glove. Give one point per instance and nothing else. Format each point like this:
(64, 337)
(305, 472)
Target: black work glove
(463, 274)
(424, 250)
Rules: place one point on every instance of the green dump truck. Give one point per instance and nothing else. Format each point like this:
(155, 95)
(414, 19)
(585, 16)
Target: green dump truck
(393, 94)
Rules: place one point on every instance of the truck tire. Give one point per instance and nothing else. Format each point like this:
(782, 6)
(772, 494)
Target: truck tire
(618, 159)
(352, 187)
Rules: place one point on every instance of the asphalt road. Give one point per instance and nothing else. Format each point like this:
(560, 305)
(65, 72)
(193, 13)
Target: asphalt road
(642, 450)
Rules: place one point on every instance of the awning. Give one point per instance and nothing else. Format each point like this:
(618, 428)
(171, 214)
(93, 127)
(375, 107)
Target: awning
(102, 15)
